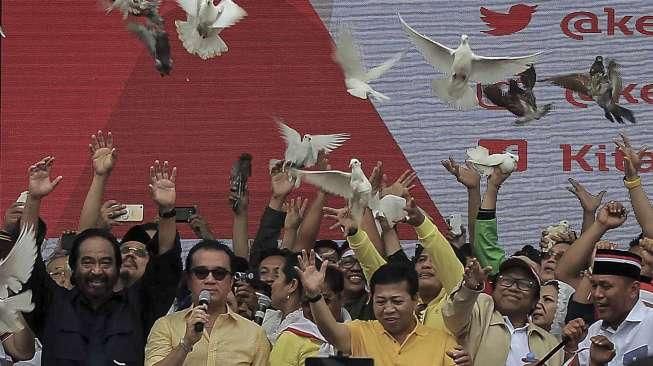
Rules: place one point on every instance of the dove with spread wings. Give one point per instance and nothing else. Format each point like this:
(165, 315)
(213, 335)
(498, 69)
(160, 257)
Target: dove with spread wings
(463, 66)
(204, 21)
(484, 163)
(518, 101)
(301, 152)
(15, 270)
(603, 85)
(347, 55)
(353, 186)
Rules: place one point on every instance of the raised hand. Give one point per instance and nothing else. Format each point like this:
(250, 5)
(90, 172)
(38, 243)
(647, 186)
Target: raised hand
(282, 183)
(322, 162)
(12, 216)
(466, 175)
(200, 227)
(612, 215)
(376, 177)
(109, 212)
(312, 278)
(601, 350)
(632, 156)
(162, 186)
(40, 184)
(243, 202)
(497, 178)
(400, 186)
(574, 332)
(588, 201)
(103, 153)
(474, 276)
(343, 219)
(295, 211)
(414, 215)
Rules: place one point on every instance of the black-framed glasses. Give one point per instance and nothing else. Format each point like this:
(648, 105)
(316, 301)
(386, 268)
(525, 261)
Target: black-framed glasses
(552, 254)
(522, 284)
(139, 252)
(348, 262)
(202, 273)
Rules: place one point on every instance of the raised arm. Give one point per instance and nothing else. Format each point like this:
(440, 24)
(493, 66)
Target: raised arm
(273, 217)
(310, 224)
(638, 198)
(589, 202)
(365, 251)
(445, 262)
(468, 177)
(163, 192)
(312, 279)
(295, 211)
(240, 236)
(458, 310)
(20, 345)
(486, 242)
(579, 255)
(103, 156)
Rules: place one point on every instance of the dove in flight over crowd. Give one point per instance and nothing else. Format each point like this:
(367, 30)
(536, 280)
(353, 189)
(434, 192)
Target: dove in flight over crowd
(463, 66)
(204, 21)
(156, 40)
(301, 152)
(347, 55)
(484, 163)
(15, 270)
(502, 24)
(518, 101)
(133, 7)
(353, 186)
(603, 85)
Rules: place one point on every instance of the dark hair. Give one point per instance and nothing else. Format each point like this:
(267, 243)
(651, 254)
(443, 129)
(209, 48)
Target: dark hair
(419, 249)
(327, 244)
(209, 245)
(529, 252)
(391, 273)
(139, 234)
(272, 252)
(239, 264)
(93, 233)
(334, 279)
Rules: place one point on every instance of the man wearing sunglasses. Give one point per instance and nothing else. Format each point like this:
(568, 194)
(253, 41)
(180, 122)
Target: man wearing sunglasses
(497, 329)
(225, 338)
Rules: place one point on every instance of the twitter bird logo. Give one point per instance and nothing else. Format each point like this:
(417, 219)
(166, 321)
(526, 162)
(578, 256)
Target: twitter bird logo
(502, 24)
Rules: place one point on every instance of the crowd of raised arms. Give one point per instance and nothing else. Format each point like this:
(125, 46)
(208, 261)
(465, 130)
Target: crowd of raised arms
(287, 298)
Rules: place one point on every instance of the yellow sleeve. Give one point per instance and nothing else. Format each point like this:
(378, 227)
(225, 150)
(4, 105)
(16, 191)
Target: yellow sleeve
(159, 342)
(449, 344)
(366, 253)
(262, 346)
(448, 267)
(286, 350)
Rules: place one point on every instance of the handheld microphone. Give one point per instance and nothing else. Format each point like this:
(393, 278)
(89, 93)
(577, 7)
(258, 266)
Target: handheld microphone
(553, 351)
(264, 302)
(204, 299)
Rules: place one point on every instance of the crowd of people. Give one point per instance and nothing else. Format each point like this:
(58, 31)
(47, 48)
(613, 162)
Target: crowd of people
(289, 297)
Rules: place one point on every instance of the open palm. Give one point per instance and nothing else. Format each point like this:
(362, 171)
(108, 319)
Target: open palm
(312, 278)
(40, 184)
(103, 153)
(162, 185)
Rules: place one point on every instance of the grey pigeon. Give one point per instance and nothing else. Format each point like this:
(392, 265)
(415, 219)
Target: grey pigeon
(156, 40)
(518, 101)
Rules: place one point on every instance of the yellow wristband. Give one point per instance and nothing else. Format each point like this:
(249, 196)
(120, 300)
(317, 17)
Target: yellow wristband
(630, 184)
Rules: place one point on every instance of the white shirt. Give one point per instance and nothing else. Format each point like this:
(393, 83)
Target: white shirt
(518, 343)
(633, 338)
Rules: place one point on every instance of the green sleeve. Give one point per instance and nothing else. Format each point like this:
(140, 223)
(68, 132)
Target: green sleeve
(486, 242)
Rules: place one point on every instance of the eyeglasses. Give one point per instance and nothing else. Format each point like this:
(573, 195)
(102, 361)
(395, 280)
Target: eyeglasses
(139, 252)
(57, 274)
(348, 262)
(522, 284)
(202, 273)
(553, 254)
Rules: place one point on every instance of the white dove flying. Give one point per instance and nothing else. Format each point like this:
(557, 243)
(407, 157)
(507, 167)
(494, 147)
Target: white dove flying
(354, 186)
(204, 21)
(301, 151)
(390, 207)
(484, 162)
(347, 55)
(15, 270)
(463, 66)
